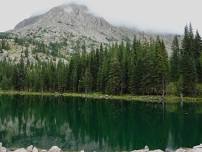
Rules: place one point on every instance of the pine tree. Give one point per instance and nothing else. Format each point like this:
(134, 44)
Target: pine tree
(5, 45)
(75, 71)
(189, 77)
(94, 67)
(61, 76)
(197, 53)
(114, 77)
(1, 49)
(26, 52)
(149, 78)
(87, 81)
(135, 67)
(103, 73)
(5, 83)
(200, 62)
(175, 61)
(124, 68)
(188, 66)
(19, 75)
(161, 67)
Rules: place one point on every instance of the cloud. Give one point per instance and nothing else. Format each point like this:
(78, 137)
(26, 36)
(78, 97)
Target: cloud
(158, 15)
(14, 11)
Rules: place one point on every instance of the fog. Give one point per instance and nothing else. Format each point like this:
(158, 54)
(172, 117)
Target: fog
(168, 16)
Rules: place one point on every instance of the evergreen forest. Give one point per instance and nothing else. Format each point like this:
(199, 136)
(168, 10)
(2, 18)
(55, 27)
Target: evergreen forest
(137, 68)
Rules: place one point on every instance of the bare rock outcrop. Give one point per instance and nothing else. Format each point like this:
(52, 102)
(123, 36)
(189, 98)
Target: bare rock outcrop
(75, 23)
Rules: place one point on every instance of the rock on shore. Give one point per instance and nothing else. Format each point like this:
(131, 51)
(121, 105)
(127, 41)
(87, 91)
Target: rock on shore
(31, 148)
(197, 148)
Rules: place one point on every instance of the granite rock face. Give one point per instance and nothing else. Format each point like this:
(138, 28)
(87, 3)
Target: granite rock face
(69, 26)
(71, 21)
(76, 23)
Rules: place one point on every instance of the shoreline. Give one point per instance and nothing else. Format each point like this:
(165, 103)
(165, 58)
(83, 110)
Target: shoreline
(147, 98)
(32, 148)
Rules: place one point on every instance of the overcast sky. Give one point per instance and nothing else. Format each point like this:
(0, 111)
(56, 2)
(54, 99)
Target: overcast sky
(157, 15)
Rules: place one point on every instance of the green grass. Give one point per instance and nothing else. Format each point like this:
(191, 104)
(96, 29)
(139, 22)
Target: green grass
(149, 99)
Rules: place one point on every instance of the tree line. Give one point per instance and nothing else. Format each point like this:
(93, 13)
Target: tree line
(186, 62)
(137, 68)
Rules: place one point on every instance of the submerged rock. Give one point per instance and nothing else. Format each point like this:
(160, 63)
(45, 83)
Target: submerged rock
(169, 150)
(185, 150)
(21, 150)
(156, 150)
(140, 150)
(30, 148)
(55, 149)
(146, 149)
(35, 149)
(197, 148)
(180, 150)
(2, 149)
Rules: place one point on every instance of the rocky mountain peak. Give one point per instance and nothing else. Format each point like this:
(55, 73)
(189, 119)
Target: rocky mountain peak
(75, 23)
(65, 20)
(69, 8)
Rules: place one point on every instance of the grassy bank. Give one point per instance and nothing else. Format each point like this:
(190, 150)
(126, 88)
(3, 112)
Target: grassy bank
(150, 99)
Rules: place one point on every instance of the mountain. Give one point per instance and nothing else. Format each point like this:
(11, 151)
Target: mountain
(71, 26)
(73, 22)
(69, 21)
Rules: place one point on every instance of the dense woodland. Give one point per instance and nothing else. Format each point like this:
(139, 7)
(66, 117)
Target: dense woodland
(138, 68)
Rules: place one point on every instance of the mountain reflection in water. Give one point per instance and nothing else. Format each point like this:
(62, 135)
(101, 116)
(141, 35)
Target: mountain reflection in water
(89, 124)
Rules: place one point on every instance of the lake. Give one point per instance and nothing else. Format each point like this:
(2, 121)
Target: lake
(97, 125)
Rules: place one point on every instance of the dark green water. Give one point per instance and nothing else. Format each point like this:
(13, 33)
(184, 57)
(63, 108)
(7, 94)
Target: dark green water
(75, 124)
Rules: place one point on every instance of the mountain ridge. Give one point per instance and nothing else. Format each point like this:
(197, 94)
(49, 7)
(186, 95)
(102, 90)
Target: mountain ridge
(57, 33)
(77, 20)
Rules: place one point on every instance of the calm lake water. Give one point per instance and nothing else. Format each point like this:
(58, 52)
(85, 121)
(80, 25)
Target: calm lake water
(100, 125)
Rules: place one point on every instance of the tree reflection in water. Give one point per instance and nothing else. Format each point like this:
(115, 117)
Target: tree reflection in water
(75, 123)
